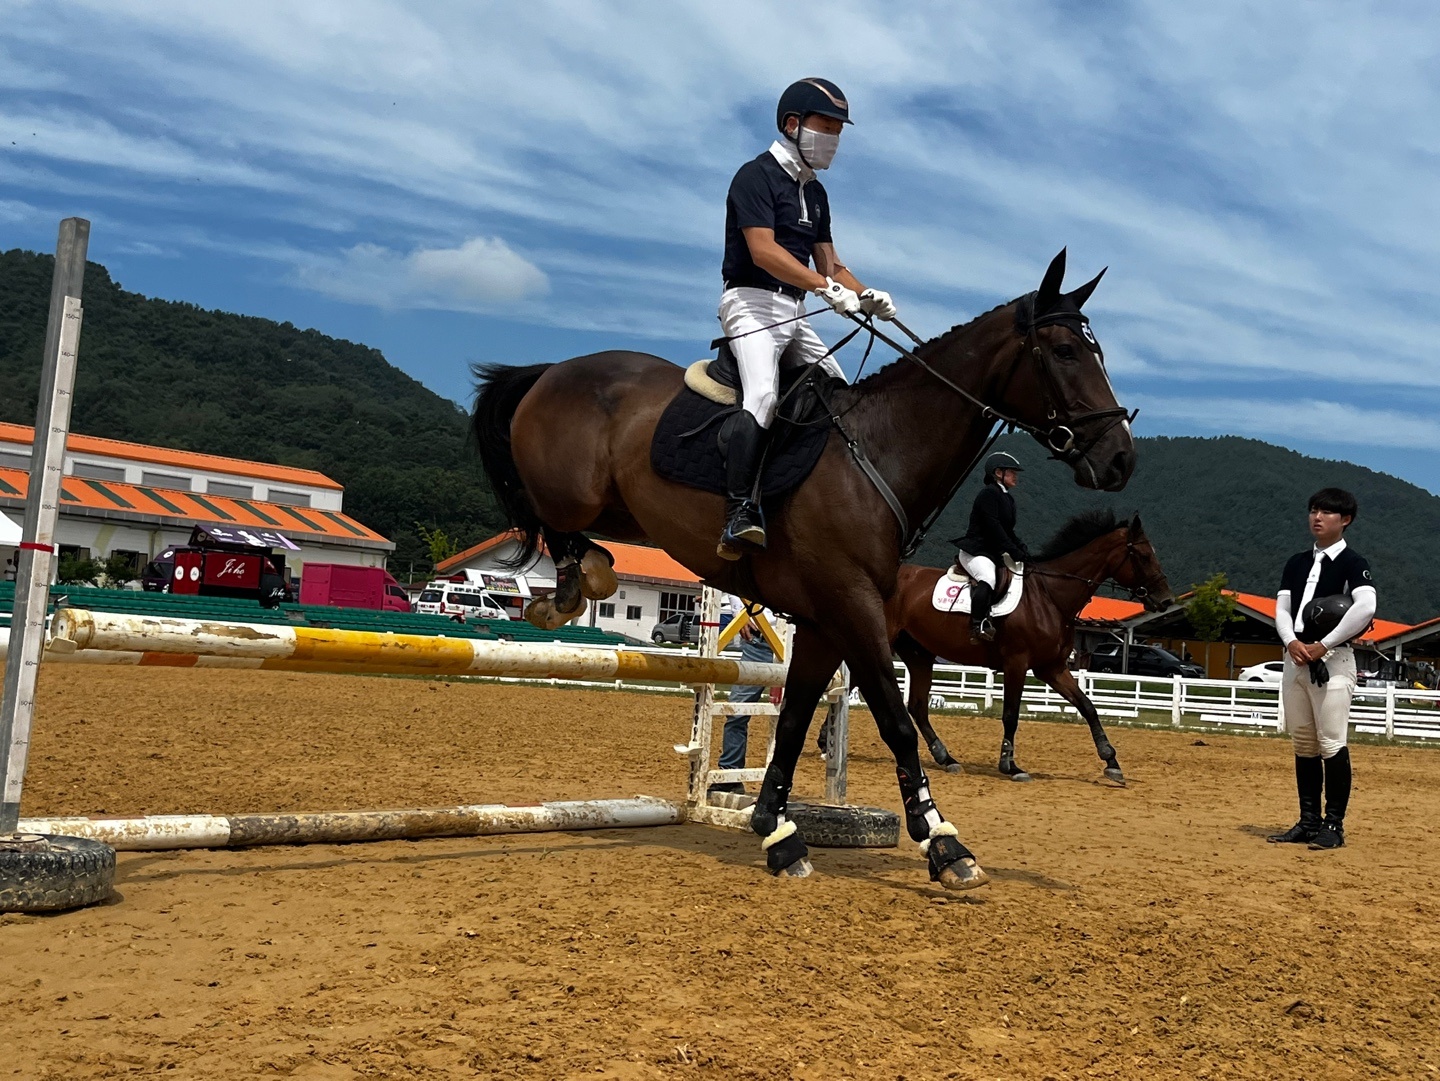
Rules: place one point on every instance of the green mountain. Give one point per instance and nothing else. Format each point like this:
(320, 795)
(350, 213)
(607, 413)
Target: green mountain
(156, 371)
(1233, 505)
(172, 374)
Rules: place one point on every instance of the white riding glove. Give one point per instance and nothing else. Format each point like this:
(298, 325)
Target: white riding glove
(877, 302)
(843, 300)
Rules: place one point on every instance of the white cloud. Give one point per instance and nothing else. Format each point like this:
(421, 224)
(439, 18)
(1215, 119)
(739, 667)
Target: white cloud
(484, 274)
(1301, 418)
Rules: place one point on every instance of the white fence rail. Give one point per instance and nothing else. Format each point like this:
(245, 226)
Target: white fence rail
(1380, 710)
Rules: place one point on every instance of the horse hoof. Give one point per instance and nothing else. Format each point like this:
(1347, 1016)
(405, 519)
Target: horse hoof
(963, 874)
(1021, 776)
(801, 868)
(953, 767)
(1112, 773)
(597, 577)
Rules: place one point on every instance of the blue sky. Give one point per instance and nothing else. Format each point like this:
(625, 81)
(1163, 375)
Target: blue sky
(484, 181)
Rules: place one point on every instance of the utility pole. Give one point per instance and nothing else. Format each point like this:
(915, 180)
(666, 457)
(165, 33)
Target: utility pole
(42, 509)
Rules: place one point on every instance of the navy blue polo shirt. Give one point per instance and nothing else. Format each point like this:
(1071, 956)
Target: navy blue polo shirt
(763, 195)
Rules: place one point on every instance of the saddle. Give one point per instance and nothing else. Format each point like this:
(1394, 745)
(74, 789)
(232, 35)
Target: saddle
(689, 442)
(952, 590)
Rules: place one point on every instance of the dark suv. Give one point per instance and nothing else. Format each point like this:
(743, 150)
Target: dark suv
(1144, 661)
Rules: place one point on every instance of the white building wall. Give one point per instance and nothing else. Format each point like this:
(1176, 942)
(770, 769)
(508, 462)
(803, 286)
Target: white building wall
(642, 595)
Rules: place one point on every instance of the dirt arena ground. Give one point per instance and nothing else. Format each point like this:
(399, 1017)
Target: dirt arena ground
(1148, 931)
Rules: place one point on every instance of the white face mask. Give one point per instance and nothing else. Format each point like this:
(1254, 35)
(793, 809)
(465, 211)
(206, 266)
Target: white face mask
(817, 148)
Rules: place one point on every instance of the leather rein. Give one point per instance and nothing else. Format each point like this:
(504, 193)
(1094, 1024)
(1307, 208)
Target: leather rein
(1132, 555)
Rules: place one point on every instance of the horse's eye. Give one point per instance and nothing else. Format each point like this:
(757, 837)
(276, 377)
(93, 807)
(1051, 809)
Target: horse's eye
(1064, 352)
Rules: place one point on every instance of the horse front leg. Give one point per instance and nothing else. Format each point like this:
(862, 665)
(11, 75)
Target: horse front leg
(1063, 680)
(813, 661)
(1010, 715)
(951, 864)
(921, 664)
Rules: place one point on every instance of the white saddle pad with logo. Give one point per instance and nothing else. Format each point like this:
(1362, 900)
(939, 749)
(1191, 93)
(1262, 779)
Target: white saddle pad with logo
(952, 593)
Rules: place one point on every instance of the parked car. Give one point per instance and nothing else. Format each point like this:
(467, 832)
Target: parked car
(1144, 661)
(447, 599)
(682, 627)
(1268, 672)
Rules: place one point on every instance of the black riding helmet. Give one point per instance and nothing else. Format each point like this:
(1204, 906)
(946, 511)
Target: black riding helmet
(1002, 460)
(812, 97)
(1323, 615)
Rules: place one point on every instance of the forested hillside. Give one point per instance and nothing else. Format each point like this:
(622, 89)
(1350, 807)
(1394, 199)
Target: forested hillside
(1233, 505)
(155, 371)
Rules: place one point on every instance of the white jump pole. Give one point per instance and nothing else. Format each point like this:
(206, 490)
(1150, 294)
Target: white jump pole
(42, 509)
(165, 832)
(159, 640)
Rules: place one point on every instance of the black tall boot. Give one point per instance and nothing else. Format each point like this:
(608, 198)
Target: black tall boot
(1309, 780)
(981, 596)
(744, 520)
(1331, 833)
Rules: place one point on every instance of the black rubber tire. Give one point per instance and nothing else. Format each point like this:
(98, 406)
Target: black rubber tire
(50, 874)
(845, 827)
(658, 639)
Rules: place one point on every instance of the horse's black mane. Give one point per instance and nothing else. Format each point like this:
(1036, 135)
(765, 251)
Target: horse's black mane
(931, 346)
(1077, 533)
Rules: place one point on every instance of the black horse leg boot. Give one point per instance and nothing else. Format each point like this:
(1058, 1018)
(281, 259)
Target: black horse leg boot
(744, 521)
(981, 596)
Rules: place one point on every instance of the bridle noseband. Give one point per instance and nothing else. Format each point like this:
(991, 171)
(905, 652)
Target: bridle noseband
(1132, 555)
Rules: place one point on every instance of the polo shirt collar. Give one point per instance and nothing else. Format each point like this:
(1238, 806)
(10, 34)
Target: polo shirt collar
(790, 161)
(1333, 551)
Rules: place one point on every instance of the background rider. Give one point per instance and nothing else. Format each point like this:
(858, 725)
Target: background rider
(990, 538)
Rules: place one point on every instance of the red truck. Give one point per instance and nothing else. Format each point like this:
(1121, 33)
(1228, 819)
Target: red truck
(341, 586)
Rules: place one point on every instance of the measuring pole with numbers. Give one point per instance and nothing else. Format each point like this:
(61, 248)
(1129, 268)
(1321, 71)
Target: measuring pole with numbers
(42, 509)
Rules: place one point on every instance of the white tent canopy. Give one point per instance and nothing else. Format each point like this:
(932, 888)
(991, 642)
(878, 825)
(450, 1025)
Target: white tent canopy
(9, 532)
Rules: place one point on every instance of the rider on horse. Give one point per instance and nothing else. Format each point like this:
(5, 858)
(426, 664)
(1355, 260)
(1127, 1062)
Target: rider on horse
(990, 539)
(777, 217)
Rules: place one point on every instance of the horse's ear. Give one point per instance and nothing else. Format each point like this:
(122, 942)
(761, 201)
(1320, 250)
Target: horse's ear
(1136, 529)
(1050, 286)
(1081, 295)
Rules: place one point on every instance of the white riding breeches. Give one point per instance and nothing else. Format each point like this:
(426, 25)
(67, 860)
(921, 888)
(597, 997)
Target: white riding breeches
(745, 310)
(980, 568)
(1318, 718)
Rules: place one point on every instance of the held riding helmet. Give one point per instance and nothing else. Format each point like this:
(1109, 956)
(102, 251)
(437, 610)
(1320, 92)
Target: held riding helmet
(1323, 615)
(812, 97)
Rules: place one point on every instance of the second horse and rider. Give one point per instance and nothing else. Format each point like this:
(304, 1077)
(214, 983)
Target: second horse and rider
(770, 477)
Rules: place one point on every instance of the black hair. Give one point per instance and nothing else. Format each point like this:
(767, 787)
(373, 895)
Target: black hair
(1336, 501)
(1075, 534)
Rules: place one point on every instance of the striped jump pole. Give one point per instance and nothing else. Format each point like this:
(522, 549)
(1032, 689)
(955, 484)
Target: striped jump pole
(150, 640)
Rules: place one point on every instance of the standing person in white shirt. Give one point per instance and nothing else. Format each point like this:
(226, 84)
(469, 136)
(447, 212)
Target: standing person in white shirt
(1316, 696)
(777, 218)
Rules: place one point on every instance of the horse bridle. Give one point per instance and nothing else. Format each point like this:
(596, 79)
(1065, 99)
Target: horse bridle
(1132, 555)
(1061, 438)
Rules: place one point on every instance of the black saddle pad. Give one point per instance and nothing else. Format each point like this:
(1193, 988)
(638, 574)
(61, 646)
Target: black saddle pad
(686, 447)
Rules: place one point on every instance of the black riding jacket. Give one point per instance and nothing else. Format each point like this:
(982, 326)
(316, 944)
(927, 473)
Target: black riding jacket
(992, 526)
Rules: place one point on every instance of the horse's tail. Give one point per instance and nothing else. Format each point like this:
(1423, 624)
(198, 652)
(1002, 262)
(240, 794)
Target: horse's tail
(498, 390)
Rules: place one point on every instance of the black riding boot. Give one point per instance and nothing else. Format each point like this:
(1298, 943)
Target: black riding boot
(981, 597)
(1331, 833)
(1309, 779)
(744, 520)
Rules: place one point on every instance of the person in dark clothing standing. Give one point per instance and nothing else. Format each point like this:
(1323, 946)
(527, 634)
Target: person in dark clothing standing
(990, 539)
(777, 218)
(1319, 677)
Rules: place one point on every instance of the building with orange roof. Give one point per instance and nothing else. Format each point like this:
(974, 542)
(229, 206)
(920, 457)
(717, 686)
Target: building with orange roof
(653, 586)
(138, 500)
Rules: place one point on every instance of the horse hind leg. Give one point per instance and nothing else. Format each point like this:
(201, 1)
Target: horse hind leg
(921, 663)
(571, 551)
(597, 573)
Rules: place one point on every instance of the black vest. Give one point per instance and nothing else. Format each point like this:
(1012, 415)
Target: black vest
(1343, 574)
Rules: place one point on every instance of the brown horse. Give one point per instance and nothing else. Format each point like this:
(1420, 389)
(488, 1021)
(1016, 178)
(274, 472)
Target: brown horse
(1091, 548)
(567, 448)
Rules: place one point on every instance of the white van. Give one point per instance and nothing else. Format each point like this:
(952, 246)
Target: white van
(459, 602)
